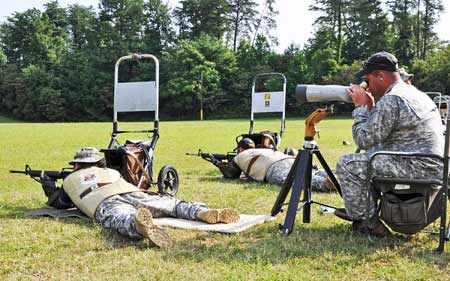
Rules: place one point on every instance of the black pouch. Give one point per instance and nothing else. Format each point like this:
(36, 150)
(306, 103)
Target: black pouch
(405, 213)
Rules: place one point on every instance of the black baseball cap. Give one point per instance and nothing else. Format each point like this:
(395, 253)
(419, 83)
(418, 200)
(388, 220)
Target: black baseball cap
(379, 61)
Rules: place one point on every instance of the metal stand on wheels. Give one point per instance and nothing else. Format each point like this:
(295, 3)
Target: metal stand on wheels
(299, 177)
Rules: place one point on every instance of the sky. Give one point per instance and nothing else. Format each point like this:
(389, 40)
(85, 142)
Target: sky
(294, 21)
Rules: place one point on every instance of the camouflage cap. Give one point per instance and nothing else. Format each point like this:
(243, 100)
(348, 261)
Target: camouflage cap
(86, 155)
(246, 143)
(405, 75)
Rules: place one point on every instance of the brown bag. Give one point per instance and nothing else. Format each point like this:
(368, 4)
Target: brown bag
(268, 140)
(134, 166)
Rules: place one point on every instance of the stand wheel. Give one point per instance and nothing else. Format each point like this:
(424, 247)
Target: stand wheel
(168, 180)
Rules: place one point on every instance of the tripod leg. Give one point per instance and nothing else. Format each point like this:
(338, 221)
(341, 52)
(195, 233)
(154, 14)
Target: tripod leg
(285, 188)
(299, 180)
(329, 171)
(307, 191)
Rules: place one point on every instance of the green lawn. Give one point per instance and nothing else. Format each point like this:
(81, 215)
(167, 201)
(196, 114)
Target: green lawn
(73, 249)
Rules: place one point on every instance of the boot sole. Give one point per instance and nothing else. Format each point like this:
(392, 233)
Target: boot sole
(159, 238)
(213, 216)
(144, 218)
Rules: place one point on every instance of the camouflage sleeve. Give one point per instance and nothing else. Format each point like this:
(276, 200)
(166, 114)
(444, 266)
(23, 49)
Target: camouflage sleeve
(229, 170)
(371, 128)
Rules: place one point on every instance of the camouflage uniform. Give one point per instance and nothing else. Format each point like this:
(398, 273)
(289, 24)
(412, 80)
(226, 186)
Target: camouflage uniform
(278, 172)
(118, 212)
(404, 120)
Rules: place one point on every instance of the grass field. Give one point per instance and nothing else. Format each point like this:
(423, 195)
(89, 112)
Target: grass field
(73, 249)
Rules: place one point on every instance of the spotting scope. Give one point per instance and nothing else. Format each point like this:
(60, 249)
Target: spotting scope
(323, 93)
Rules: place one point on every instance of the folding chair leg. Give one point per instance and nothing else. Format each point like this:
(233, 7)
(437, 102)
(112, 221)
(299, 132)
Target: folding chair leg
(443, 232)
(447, 237)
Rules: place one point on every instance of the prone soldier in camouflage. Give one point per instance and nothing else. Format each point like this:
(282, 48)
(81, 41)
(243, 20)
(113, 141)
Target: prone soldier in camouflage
(103, 195)
(393, 116)
(267, 165)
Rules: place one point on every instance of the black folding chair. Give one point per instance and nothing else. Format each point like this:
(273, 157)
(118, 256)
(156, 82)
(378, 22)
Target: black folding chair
(409, 205)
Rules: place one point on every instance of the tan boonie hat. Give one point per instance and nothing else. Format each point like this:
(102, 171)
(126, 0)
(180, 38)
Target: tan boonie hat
(86, 155)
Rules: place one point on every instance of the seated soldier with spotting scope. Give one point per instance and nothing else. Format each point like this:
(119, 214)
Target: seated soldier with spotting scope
(103, 195)
(393, 116)
(265, 164)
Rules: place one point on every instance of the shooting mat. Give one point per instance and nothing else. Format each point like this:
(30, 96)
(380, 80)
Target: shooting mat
(244, 223)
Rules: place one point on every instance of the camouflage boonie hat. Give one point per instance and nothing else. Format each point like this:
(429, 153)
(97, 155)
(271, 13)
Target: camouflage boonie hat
(405, 75)
(86, 155)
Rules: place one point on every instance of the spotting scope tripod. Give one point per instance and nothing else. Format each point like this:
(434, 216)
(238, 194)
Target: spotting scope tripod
(299, 177)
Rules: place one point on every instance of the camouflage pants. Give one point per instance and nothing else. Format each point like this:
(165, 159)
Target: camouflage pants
(278, 172)
(118, 211)
(351, 171)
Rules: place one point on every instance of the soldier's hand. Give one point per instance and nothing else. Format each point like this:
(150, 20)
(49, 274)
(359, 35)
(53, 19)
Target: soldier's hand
(360, 96)
(214, 160)
(221, 165)
(48, 184)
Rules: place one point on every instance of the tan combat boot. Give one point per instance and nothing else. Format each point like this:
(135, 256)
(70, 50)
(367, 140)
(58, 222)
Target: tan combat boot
(145, 226)
(219, 216)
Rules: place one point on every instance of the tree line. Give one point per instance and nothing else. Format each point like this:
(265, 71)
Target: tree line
(57, 64)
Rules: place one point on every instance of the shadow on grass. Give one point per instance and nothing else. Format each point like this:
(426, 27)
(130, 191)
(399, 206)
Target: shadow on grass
(264, 244)
(7, 211)
(247, 184)
(267, 244)
(111, 238)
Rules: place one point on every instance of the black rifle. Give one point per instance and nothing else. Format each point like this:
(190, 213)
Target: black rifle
(36, 174)
(212, 157)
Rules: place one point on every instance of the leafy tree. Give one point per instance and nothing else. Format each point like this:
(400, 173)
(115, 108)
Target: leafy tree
(40, 98)
(196, 17)
(432, 74)
(251, 56)
(56, 26)
(321, 66)
(367, 30)
(3, 58)
(187, 61)
(331, 24)
(158, 31)
(58, 64)
(24, 39)
(292, 63)
(403, 44)
(266, 22)
(242, 18)
(432, 8)
(121, 24)
(81, 25)
(323, 39)
(11, 85)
